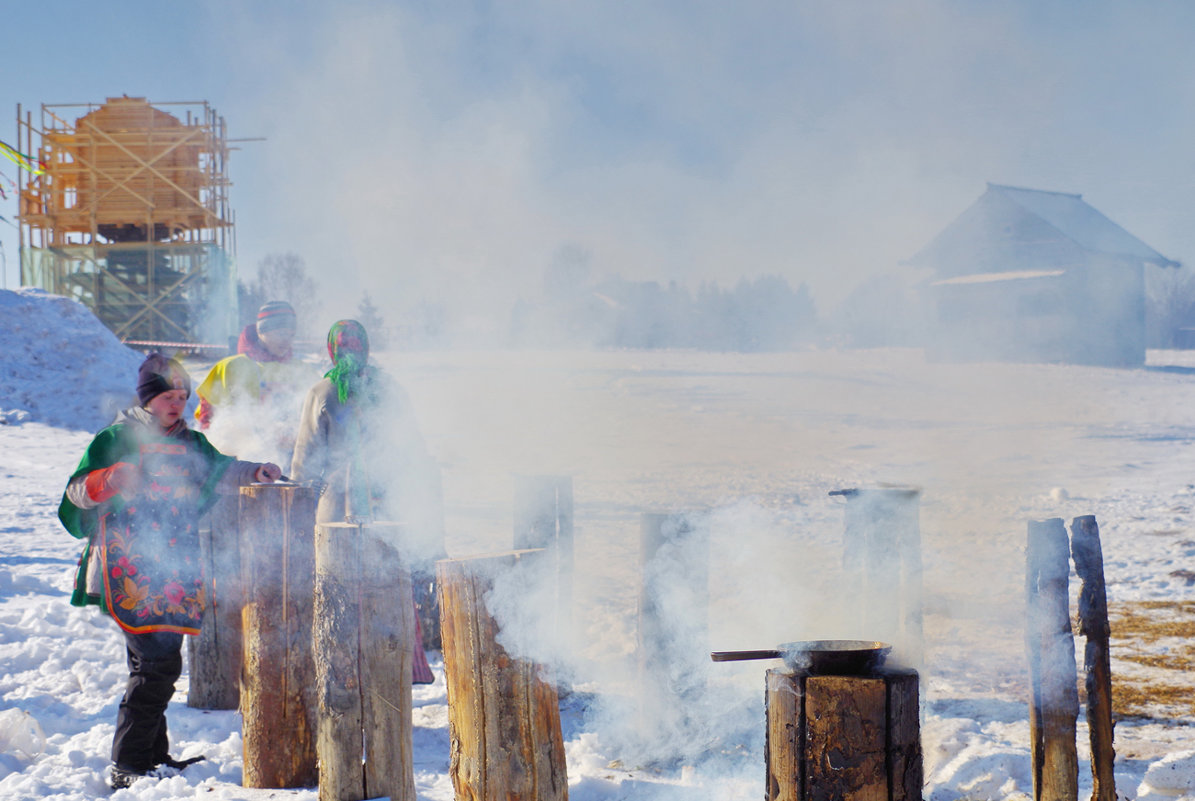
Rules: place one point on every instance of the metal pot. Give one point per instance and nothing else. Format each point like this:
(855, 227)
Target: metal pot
(847, 657)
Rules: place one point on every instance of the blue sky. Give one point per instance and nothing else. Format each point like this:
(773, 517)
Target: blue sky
(450, 151)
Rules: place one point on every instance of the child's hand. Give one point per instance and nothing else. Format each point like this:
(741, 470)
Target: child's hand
(267, 473)
(123, 478)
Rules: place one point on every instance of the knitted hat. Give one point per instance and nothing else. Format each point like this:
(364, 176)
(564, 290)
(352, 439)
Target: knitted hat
(274, 315)
(157, 374)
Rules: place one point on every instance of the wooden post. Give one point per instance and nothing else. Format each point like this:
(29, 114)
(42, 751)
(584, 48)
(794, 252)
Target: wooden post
(543, 519)
(843, 738)
(673, 616)
(1054, 705)
(882, 562)
(363, 635)
(784, 743)
(278, 679)
(503, 717)
(1093, 625)
(215, 655)
(844, 746)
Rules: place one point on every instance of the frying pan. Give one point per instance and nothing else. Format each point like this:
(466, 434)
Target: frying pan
(845, 657)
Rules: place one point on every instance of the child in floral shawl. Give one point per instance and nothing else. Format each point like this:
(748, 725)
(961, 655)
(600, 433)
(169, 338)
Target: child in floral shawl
(136, 498)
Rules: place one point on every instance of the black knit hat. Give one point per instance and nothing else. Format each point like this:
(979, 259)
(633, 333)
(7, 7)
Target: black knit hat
(274, 315)
(158, 374)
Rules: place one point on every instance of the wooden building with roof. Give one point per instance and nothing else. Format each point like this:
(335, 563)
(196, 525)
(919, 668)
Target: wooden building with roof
(1034, 276)
(128, 213)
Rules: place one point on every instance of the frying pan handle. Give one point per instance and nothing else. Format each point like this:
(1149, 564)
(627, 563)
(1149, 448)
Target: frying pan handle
(735, 656)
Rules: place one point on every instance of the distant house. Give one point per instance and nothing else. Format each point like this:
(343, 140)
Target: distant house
(1033, 276)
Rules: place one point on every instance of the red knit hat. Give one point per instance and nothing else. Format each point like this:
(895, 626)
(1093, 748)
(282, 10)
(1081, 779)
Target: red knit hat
(274, 315)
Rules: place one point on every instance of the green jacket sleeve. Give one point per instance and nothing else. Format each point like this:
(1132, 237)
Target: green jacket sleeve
(109, 447)
(218, 462)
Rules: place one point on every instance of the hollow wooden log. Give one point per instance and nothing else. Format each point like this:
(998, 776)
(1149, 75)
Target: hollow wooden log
(215, 655)
(363, 635)
(1054, 704)
(1093, 625)
(853, 738)
(278, 703)
(503, 717)
(883, 568)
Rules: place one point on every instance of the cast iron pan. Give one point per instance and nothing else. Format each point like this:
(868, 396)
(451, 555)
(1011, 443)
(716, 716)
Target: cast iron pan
(819, 656)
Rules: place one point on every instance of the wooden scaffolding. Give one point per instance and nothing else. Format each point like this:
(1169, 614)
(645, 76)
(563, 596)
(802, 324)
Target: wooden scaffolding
(129, 214)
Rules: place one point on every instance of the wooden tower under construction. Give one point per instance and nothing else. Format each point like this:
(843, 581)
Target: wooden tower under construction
(128, 213)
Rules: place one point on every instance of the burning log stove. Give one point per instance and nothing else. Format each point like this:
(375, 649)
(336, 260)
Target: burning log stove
(840, 725)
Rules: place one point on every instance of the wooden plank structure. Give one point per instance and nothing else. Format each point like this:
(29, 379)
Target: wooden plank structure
(1054, 703)
(130, 215)
(364, 633)
(843, 738)
(215, 655)
(278, 703)
(503, 716)
(1093, 625)
(882, 564)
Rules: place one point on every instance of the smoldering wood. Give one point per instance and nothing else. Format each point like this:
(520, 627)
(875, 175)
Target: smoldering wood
(363, 639)
(215, 654)
(1093, 625)
(278, 703)
(673, 615)
(543, 519)
(883, 568)
(503, 715)
(1054, 703)
(843, 737)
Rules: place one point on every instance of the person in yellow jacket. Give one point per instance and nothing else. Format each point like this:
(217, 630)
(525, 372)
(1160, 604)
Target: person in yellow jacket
(249, 402)
(233, 380)
(264, 350)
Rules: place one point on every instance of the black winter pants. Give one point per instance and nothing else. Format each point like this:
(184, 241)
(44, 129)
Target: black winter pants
(155, 662)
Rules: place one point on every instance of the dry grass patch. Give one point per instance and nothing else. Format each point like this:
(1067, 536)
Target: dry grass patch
(1160, 637)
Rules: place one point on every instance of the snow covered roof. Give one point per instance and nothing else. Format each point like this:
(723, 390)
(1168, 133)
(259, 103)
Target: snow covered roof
(1082, 223)
(1014, 229)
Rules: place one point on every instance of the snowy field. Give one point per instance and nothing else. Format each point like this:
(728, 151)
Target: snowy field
(756, 443)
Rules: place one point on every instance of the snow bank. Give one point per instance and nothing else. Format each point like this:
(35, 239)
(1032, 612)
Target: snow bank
(759, 441)
(1170, 778)
(59, 364)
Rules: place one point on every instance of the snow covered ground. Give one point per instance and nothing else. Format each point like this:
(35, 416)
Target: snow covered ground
(756, 442)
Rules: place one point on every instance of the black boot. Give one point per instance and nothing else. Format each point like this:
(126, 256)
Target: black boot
(122, 776)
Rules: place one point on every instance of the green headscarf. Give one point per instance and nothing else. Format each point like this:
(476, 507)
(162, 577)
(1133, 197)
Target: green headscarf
(348, 345)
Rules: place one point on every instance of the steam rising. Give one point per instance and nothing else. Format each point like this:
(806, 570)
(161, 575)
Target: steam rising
(441, 156)
(748, 448)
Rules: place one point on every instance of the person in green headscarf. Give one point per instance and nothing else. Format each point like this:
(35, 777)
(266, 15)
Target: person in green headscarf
(359, 442)
(356, 429)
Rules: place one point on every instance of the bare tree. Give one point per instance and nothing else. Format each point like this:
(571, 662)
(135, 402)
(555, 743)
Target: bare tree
(283, 276)
(369, 316)
(1170, 307)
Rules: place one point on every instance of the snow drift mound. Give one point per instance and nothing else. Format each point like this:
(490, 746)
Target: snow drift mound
(59, 364)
